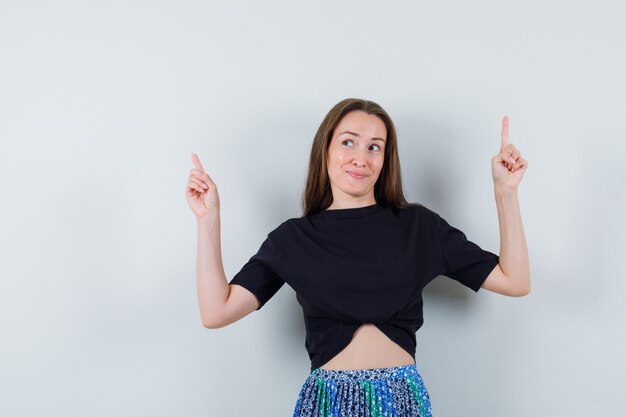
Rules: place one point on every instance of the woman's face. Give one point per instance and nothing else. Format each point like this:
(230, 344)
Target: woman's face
(355, 156)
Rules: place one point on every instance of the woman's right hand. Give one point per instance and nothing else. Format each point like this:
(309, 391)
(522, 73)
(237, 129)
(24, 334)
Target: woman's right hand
(201, 191)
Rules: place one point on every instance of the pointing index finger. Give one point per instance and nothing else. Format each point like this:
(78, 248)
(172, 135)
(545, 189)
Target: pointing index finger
(505, 131)
(196, 162)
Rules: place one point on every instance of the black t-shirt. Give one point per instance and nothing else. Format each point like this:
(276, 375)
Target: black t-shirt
(362, 265)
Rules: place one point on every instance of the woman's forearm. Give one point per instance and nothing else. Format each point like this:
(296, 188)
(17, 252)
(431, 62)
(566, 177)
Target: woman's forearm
(211, 282)
(513, 250)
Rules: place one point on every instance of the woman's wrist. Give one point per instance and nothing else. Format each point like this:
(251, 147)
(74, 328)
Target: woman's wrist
(210, 218)
(505, 192)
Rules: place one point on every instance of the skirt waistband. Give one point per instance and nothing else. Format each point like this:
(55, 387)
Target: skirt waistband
(393, 372)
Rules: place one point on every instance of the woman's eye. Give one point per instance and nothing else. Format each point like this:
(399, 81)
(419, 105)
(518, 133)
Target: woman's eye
(350, 140)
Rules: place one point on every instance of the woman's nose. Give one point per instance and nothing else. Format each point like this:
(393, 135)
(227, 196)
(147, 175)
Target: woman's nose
(359, 158)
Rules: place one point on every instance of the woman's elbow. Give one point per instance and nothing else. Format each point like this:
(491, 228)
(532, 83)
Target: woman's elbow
(212, 324)
(521, 291)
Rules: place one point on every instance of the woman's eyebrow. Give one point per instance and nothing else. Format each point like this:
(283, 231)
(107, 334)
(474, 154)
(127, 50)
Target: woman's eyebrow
(356, 134)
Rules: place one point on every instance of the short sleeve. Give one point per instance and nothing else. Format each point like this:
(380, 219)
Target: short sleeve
(464, 260)
(258, 274)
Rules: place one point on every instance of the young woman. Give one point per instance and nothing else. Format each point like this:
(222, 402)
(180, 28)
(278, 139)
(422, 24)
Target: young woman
(358, 260)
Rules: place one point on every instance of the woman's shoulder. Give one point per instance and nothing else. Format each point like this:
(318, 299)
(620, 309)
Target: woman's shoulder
(420, 211)
(425, 210)
(286, 228)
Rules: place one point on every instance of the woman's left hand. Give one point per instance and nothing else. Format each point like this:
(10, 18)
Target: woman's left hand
(508, 167)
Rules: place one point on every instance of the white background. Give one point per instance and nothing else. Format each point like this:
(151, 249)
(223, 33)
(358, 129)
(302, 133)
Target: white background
(102, 103)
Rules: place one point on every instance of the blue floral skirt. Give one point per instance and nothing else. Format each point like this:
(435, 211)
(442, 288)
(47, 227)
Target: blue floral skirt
(398, 391)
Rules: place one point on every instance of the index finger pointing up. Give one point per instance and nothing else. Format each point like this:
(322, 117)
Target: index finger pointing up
(196, 162)
(505, 130)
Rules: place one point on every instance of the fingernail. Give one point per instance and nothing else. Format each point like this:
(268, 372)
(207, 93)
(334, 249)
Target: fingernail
(511, 160)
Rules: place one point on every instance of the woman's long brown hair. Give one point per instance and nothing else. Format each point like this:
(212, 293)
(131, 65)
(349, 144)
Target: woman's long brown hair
(388, 188)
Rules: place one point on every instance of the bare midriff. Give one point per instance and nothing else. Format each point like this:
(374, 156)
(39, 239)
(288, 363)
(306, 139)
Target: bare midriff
(369, 348)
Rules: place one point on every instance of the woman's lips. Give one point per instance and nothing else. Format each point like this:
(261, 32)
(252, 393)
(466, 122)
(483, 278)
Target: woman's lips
(357, 176)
